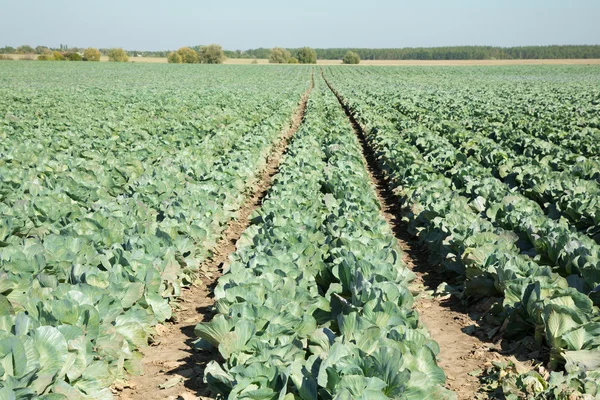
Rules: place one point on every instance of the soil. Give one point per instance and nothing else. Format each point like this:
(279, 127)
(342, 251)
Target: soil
(462, 354)
(171, 360)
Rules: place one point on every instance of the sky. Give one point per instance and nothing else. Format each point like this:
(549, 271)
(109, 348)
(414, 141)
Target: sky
(237, 24)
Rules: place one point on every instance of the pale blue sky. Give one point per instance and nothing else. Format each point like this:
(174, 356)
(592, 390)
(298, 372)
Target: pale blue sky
(237, 24)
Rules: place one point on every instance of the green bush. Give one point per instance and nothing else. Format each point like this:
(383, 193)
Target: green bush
(351, 58)
(117, 55)
(279, 55)
(212, 54)
(293, 60)
(73, 56)
(51, 56)
(188, 56)
(306, 55)
(174, 58)
(91, 54)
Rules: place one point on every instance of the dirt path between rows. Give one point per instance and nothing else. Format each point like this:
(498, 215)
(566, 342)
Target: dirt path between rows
(445, 318)
(171, 362)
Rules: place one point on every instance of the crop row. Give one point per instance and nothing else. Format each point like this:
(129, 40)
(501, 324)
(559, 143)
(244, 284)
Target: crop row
(554, 241)
(573, 254)
(560, 193)
(537, 300)
(314, 303)
(106, 214)
(490, 112)
(527, 134)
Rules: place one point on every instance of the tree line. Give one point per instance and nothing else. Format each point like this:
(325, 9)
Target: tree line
(65, 53)
(408, 53)
(443, 53)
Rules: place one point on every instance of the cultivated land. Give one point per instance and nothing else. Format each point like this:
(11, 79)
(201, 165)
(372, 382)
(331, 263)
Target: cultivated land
(299, 231)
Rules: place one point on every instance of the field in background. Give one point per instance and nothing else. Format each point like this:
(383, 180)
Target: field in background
(244, 61)
(157, 60)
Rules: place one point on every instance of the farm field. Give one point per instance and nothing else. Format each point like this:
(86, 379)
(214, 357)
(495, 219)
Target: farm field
(497, 170)
(117, 183)
(316, 225)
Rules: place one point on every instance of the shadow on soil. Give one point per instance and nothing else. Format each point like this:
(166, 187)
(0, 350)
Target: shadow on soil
(192, 368)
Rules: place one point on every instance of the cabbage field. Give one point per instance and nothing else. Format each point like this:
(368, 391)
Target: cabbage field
(118, 181)
(116, 184)
(498, 171)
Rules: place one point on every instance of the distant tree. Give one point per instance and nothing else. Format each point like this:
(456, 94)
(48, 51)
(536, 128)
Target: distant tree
(117, 55)
(279, 55)
(41, 50)
(58, 56)
(212, 54)
(293, 60)
(188, 55)
(174, 58)
(306, 55)
(351, 58)
(25, 49)
(91, 54)
(73, 56)
(8, 50)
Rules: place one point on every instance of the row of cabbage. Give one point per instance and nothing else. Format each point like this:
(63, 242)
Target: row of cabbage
(493, 95)
(314, 303)
(460, 217)
(110, 200)
(555, 108)
(529, 132)
(561, 193)
(551, 242)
